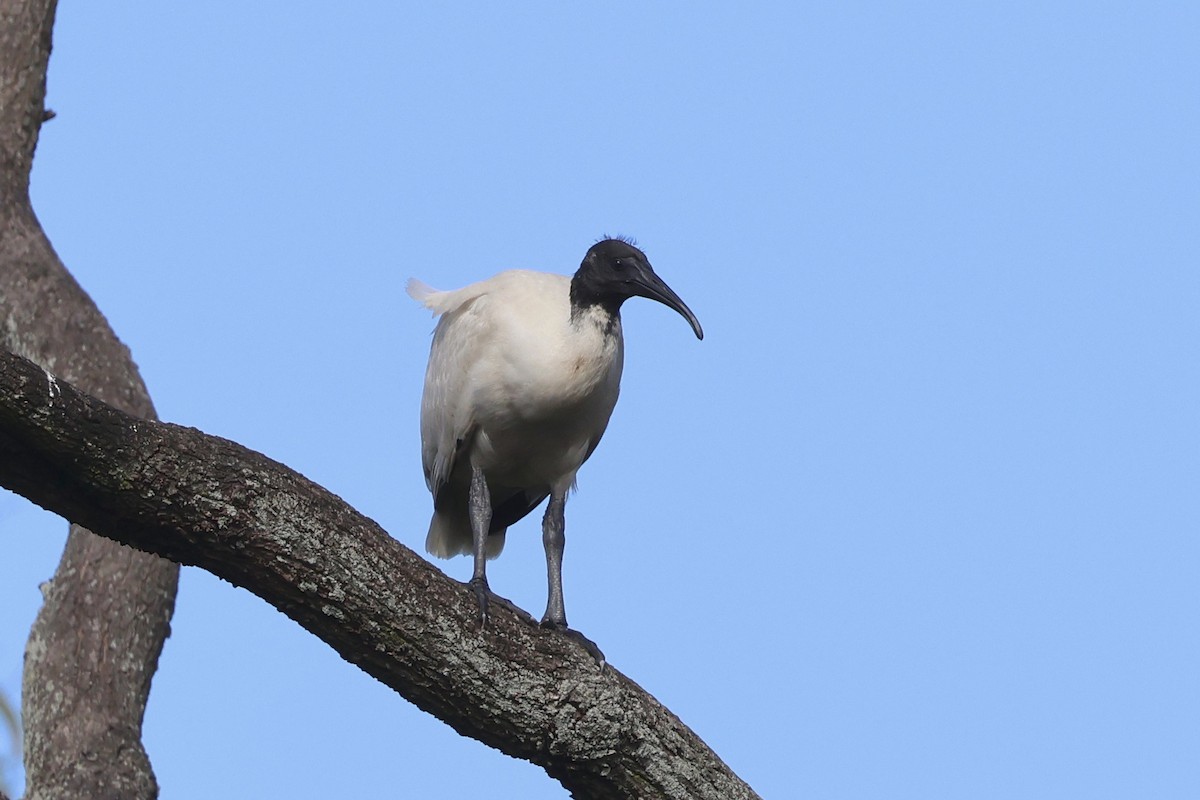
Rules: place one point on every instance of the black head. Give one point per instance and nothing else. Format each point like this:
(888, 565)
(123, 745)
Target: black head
(615, 270)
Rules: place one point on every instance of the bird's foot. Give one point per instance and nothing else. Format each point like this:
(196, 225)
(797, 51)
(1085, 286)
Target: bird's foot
(480, 587)
(583, 641)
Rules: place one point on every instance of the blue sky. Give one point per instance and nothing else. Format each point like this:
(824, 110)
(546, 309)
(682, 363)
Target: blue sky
(918, 518)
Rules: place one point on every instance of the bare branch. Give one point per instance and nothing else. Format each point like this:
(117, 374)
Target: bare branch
(202, 500)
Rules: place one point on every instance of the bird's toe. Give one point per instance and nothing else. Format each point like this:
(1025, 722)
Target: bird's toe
(480, 587)
(574, 635)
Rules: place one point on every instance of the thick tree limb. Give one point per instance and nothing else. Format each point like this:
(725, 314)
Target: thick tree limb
(96, 642)
(202, 500)
(205, 501)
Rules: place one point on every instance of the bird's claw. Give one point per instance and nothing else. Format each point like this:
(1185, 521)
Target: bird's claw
(583, 641)
(480, 587)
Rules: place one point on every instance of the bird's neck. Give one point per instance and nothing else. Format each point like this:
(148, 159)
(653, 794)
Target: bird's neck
(604, 313)
(585, 298)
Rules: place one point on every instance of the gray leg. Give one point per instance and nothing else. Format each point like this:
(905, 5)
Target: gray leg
(480, 506)
(554, 539)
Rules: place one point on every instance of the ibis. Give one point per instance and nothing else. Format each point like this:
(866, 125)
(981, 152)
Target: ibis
(523, 375)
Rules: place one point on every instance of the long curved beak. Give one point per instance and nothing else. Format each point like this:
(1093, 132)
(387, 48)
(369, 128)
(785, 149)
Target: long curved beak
(648, 284)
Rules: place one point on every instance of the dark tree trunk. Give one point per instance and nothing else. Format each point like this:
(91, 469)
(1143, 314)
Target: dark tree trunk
(197, 499)
(96, 642)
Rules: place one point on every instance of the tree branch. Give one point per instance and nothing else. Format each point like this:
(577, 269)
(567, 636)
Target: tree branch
(201, 500)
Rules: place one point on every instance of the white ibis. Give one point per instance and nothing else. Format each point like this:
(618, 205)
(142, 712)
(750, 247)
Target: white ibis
(523, 375)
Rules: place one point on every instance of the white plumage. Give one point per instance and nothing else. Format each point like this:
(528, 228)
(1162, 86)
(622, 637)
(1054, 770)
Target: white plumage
(523, 375)
(527, 387)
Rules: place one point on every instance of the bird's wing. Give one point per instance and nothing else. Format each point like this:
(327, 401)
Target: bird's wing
(468, 347)
(447, 424)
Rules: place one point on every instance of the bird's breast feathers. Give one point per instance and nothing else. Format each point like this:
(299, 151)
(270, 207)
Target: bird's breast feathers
(548, 365)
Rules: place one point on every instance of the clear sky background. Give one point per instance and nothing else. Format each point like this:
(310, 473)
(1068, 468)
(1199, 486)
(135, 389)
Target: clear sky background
(918, 518)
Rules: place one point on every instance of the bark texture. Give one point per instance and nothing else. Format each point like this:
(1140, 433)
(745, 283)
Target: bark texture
(198, 499)
(96, 642)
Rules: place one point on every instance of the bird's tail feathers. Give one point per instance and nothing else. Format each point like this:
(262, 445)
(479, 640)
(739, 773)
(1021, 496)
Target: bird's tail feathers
(450, 535)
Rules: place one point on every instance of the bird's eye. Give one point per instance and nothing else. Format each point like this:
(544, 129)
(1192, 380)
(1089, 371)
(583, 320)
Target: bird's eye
(619, 264)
